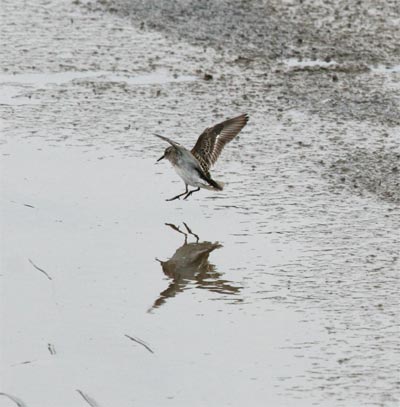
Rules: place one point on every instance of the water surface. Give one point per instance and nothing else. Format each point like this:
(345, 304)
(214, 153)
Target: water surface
(282, 289)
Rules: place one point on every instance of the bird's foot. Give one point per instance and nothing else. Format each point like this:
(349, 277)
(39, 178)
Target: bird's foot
(176, 197)
(173, 199)
(190, 193)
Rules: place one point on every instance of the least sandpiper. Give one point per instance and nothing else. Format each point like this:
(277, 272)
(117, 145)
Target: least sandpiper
(194, 166)
(190, 267)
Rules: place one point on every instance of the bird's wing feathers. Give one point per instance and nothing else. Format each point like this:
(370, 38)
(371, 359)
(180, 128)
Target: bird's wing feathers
(167, 140)
(213, 139)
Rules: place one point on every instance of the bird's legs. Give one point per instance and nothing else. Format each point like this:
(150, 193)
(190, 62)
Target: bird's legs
(171, 225)
(191, 192)
(190, 232)
(178, 196)
(178, 230)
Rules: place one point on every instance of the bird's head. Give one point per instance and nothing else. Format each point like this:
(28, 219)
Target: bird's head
(169, 153)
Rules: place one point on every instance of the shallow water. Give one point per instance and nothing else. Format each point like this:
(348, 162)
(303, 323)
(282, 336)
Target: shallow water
(282, 292)
(284, 307)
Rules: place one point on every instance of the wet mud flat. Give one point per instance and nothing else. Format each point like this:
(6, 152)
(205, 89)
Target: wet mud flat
(281, 289)
(339, 61)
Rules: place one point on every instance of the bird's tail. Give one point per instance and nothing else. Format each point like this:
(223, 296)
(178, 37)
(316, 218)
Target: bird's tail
(214, 185)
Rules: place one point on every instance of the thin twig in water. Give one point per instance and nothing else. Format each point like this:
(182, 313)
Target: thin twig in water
(17, 401)
(88, 399)
(29, 206)
(51, 349)
(38, 268)
(140, 342)
(23, 363)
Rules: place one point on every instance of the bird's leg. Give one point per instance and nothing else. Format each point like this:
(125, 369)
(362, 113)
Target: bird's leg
(178, 196)
(178, 230)
(191, 192)
(190, 232)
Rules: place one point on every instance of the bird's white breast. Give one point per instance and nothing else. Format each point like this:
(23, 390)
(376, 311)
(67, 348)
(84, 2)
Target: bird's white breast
(189, 176)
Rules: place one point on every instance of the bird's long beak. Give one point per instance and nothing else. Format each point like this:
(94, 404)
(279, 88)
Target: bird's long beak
(161, 158)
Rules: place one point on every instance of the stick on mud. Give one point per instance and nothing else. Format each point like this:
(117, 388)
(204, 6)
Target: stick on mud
(17, 401)
(88, 399)
(51, 349)
(140, 342)
(41, 270)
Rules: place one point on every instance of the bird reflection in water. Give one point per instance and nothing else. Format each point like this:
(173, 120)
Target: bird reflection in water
(190, 266)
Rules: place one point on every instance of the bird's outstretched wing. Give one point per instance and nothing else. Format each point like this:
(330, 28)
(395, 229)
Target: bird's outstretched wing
(167, 140)
(213, 139)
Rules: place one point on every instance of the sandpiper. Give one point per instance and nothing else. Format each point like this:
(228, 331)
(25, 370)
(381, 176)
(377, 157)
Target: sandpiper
(194, 166)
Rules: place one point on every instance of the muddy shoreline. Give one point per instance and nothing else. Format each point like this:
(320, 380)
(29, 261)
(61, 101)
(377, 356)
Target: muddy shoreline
(338, 61)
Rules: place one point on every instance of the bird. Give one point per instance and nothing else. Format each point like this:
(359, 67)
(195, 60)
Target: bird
(194, 166)
(189, 267)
